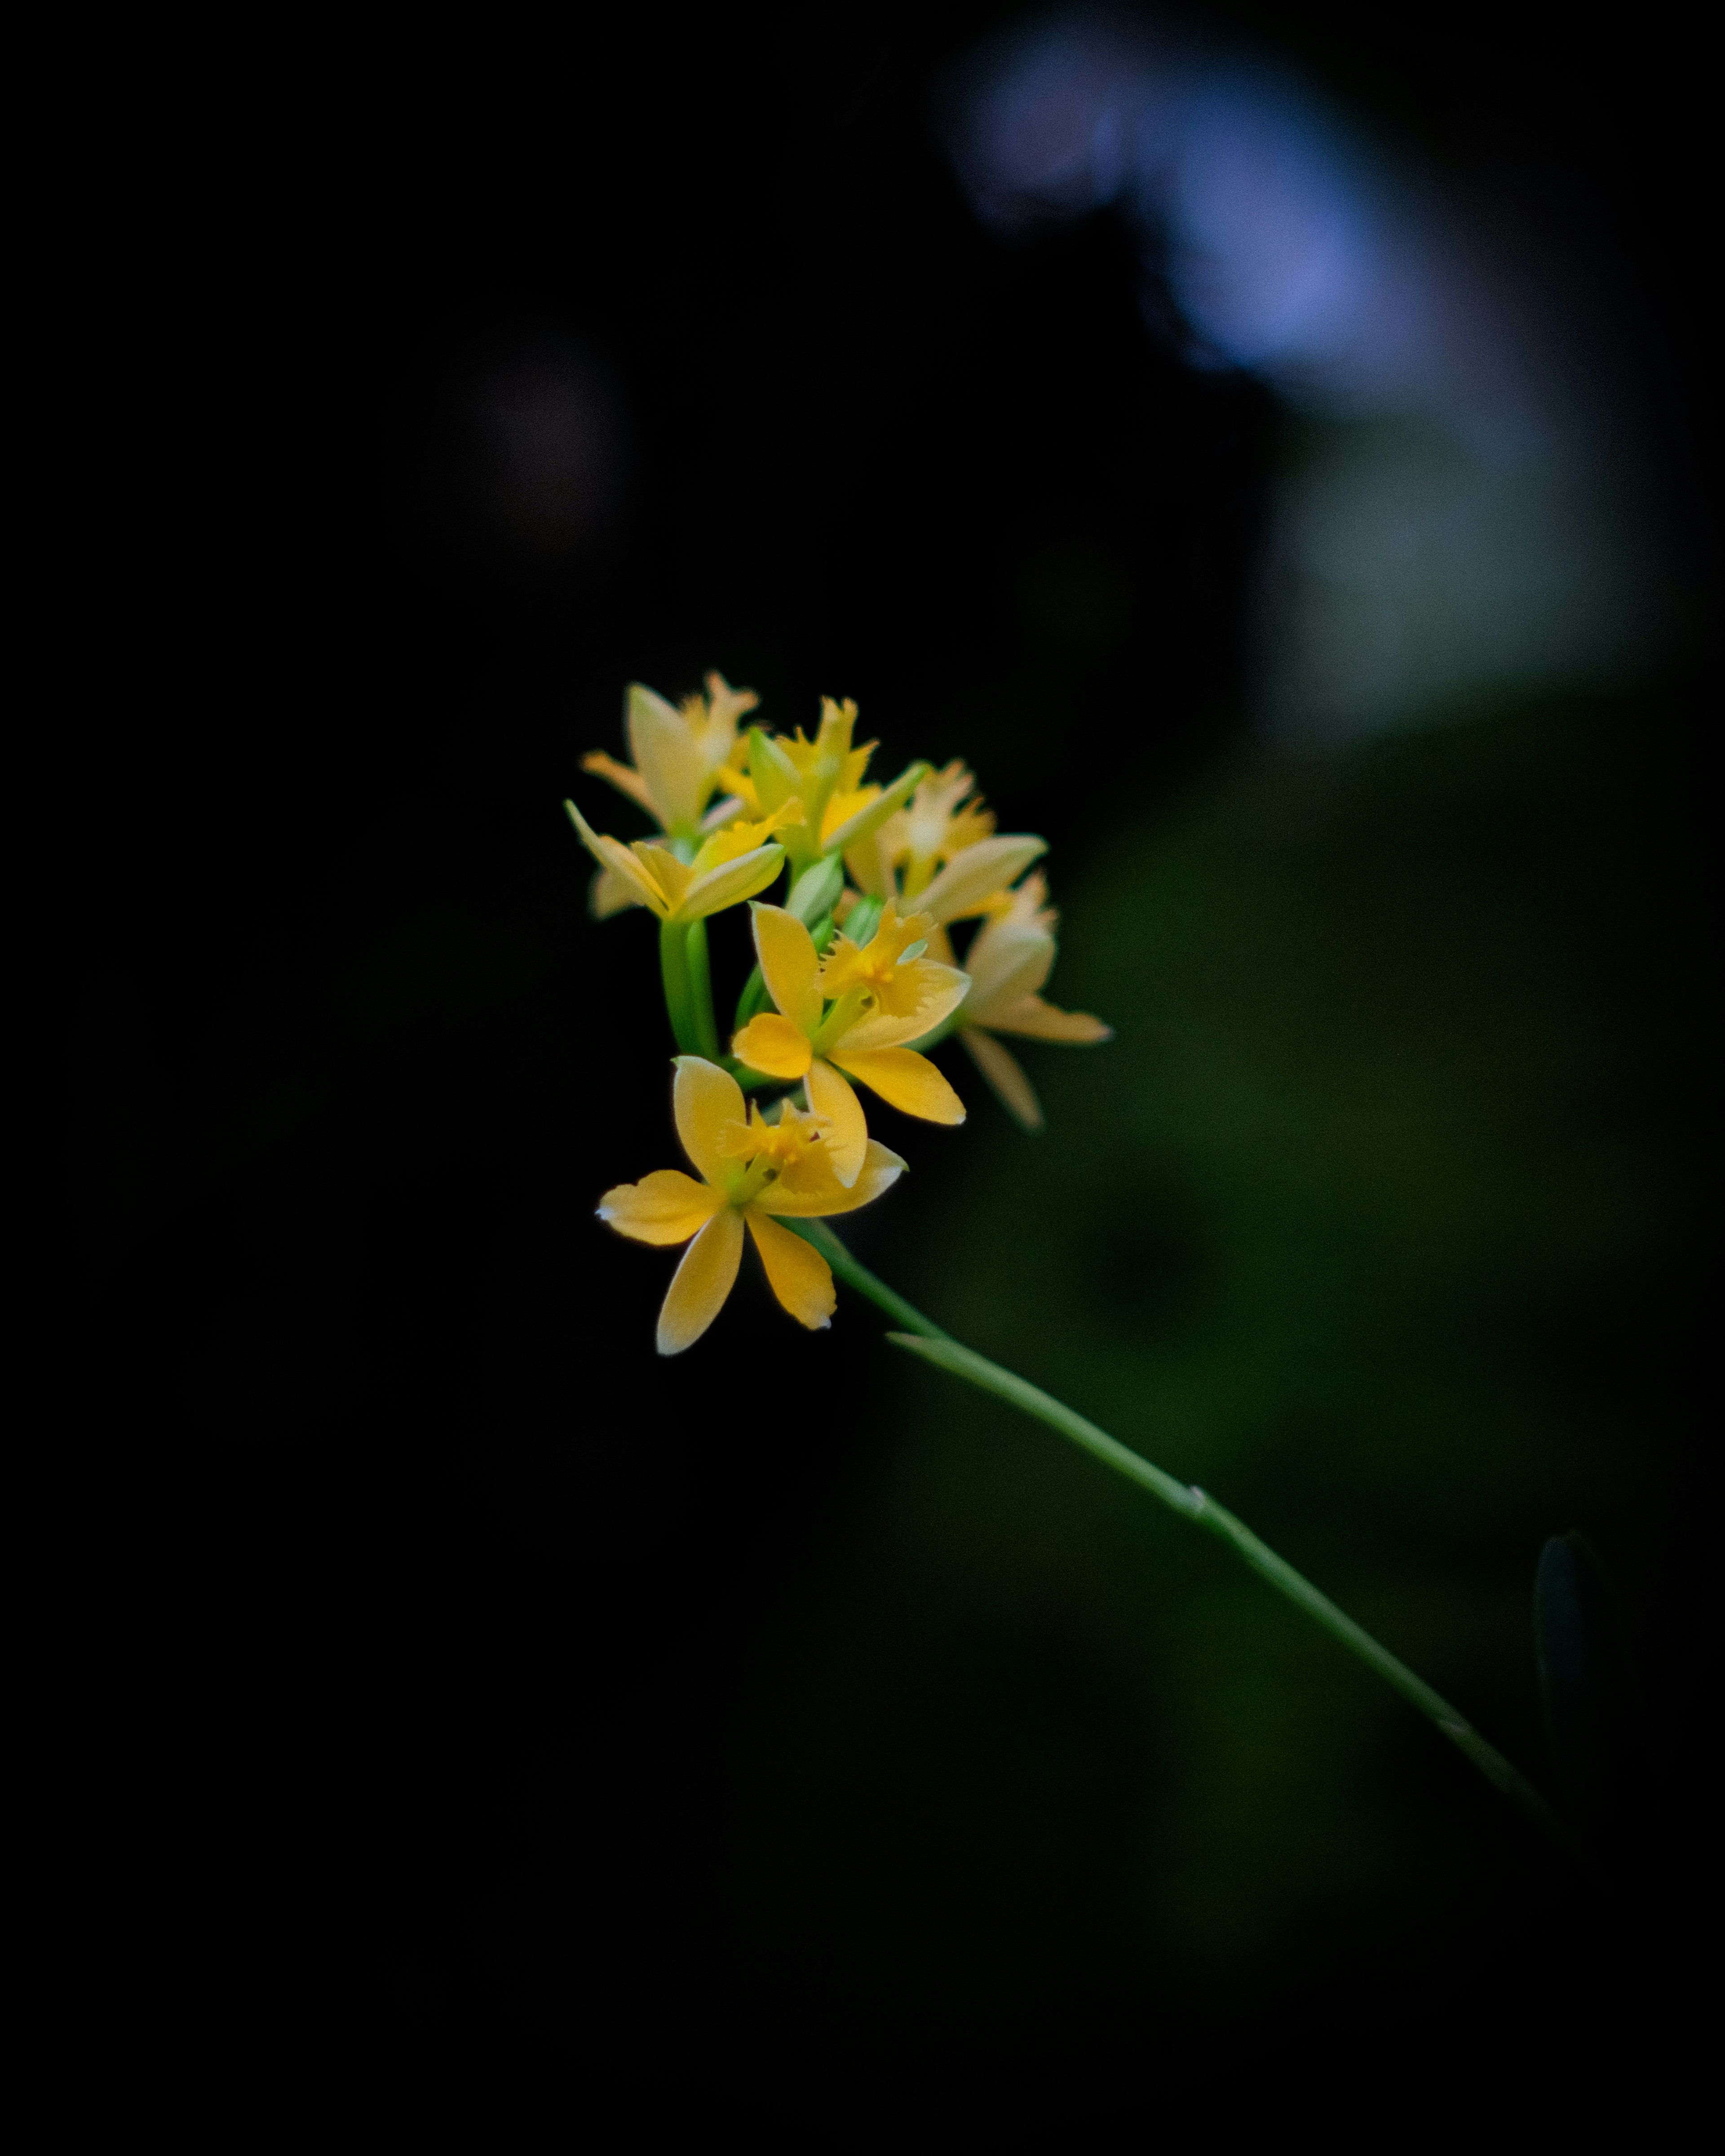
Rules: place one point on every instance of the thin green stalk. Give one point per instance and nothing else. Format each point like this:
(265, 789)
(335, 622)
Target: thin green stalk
(701, 991)
(862, 1280)
(674, 973)
(928, 1341)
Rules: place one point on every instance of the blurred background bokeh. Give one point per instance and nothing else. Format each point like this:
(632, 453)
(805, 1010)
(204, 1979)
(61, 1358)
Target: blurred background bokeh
(1264, 446)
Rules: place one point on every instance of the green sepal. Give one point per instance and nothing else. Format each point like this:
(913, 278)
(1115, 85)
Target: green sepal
(865, 918)
(776, 777)
(816, 891)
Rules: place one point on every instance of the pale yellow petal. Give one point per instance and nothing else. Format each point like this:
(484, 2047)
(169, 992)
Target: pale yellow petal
(700, 1284)
(731, 883)
(788, 965)
(672, 877)
(871, 864)
(968, 882)
(609, 893)
(880, 1169)
(1005, 962)
(612, 854)
(796, 1272)
(1039, 1021)
(773, 1045)
(1006, 1080)
(664, 1206)
(847, 1137)
(910, 1081)
(704, 1099)
(620, 776)
(938, 991)
(728, 844)
(668, 757)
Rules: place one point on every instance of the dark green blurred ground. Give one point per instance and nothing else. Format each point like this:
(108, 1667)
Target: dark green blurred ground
(1373, 1219)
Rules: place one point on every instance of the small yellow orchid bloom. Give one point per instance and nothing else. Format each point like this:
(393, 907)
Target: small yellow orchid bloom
(731, 865)
(1008, 960)
(678, 756)
(751, 1170)
(940, 851)
(849, 1017)
(826, 775)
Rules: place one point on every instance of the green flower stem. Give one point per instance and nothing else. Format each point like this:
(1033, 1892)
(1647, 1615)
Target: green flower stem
(864, 1281)
(934, 1345)
(679, 998)
(701, 993)
(753, 999)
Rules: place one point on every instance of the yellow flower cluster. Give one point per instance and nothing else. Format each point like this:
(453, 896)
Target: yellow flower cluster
(857, 976)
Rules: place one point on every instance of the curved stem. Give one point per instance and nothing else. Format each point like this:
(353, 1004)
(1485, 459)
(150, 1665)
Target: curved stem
(925, 1339)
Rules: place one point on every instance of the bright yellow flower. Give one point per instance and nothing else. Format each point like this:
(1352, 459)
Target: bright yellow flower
(731, 865)
(679, 755)
(852, 1014)
(940, 851)
(751, 1170)
(1007, 962)
(826, 776)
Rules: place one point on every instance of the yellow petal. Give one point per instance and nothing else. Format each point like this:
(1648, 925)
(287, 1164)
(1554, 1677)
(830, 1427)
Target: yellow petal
(815, 1200)
(927, 993)
(847, 1138)
(731, 883)
(705, 1100)
(701, 1282)
(734, 839)
(1006, 963)
(871, 864)
(796, 1272)
(619, 775)
(1039, 1021)
(609, 893)
(788, 965)
(910, 1081)
(967, 883)
(672, 877)
(639, 873)
(852, 819)
(668, 757)
(1006, 1080)
(664, 1206)
(773, 1045)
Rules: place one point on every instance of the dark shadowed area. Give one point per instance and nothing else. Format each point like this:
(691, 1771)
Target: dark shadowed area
(786, 1715)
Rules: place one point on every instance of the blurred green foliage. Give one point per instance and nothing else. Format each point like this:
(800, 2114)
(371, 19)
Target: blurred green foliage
(1371, 1220)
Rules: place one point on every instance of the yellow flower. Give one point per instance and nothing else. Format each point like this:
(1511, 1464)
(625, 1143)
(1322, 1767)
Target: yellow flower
(853, 1013)
(1007, 962)
(751, 1170)
(826, 776)
(940, 851)
(679, 755)
(728, 867)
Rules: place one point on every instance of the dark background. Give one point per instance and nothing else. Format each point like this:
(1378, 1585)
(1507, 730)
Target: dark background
(485, 1681)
